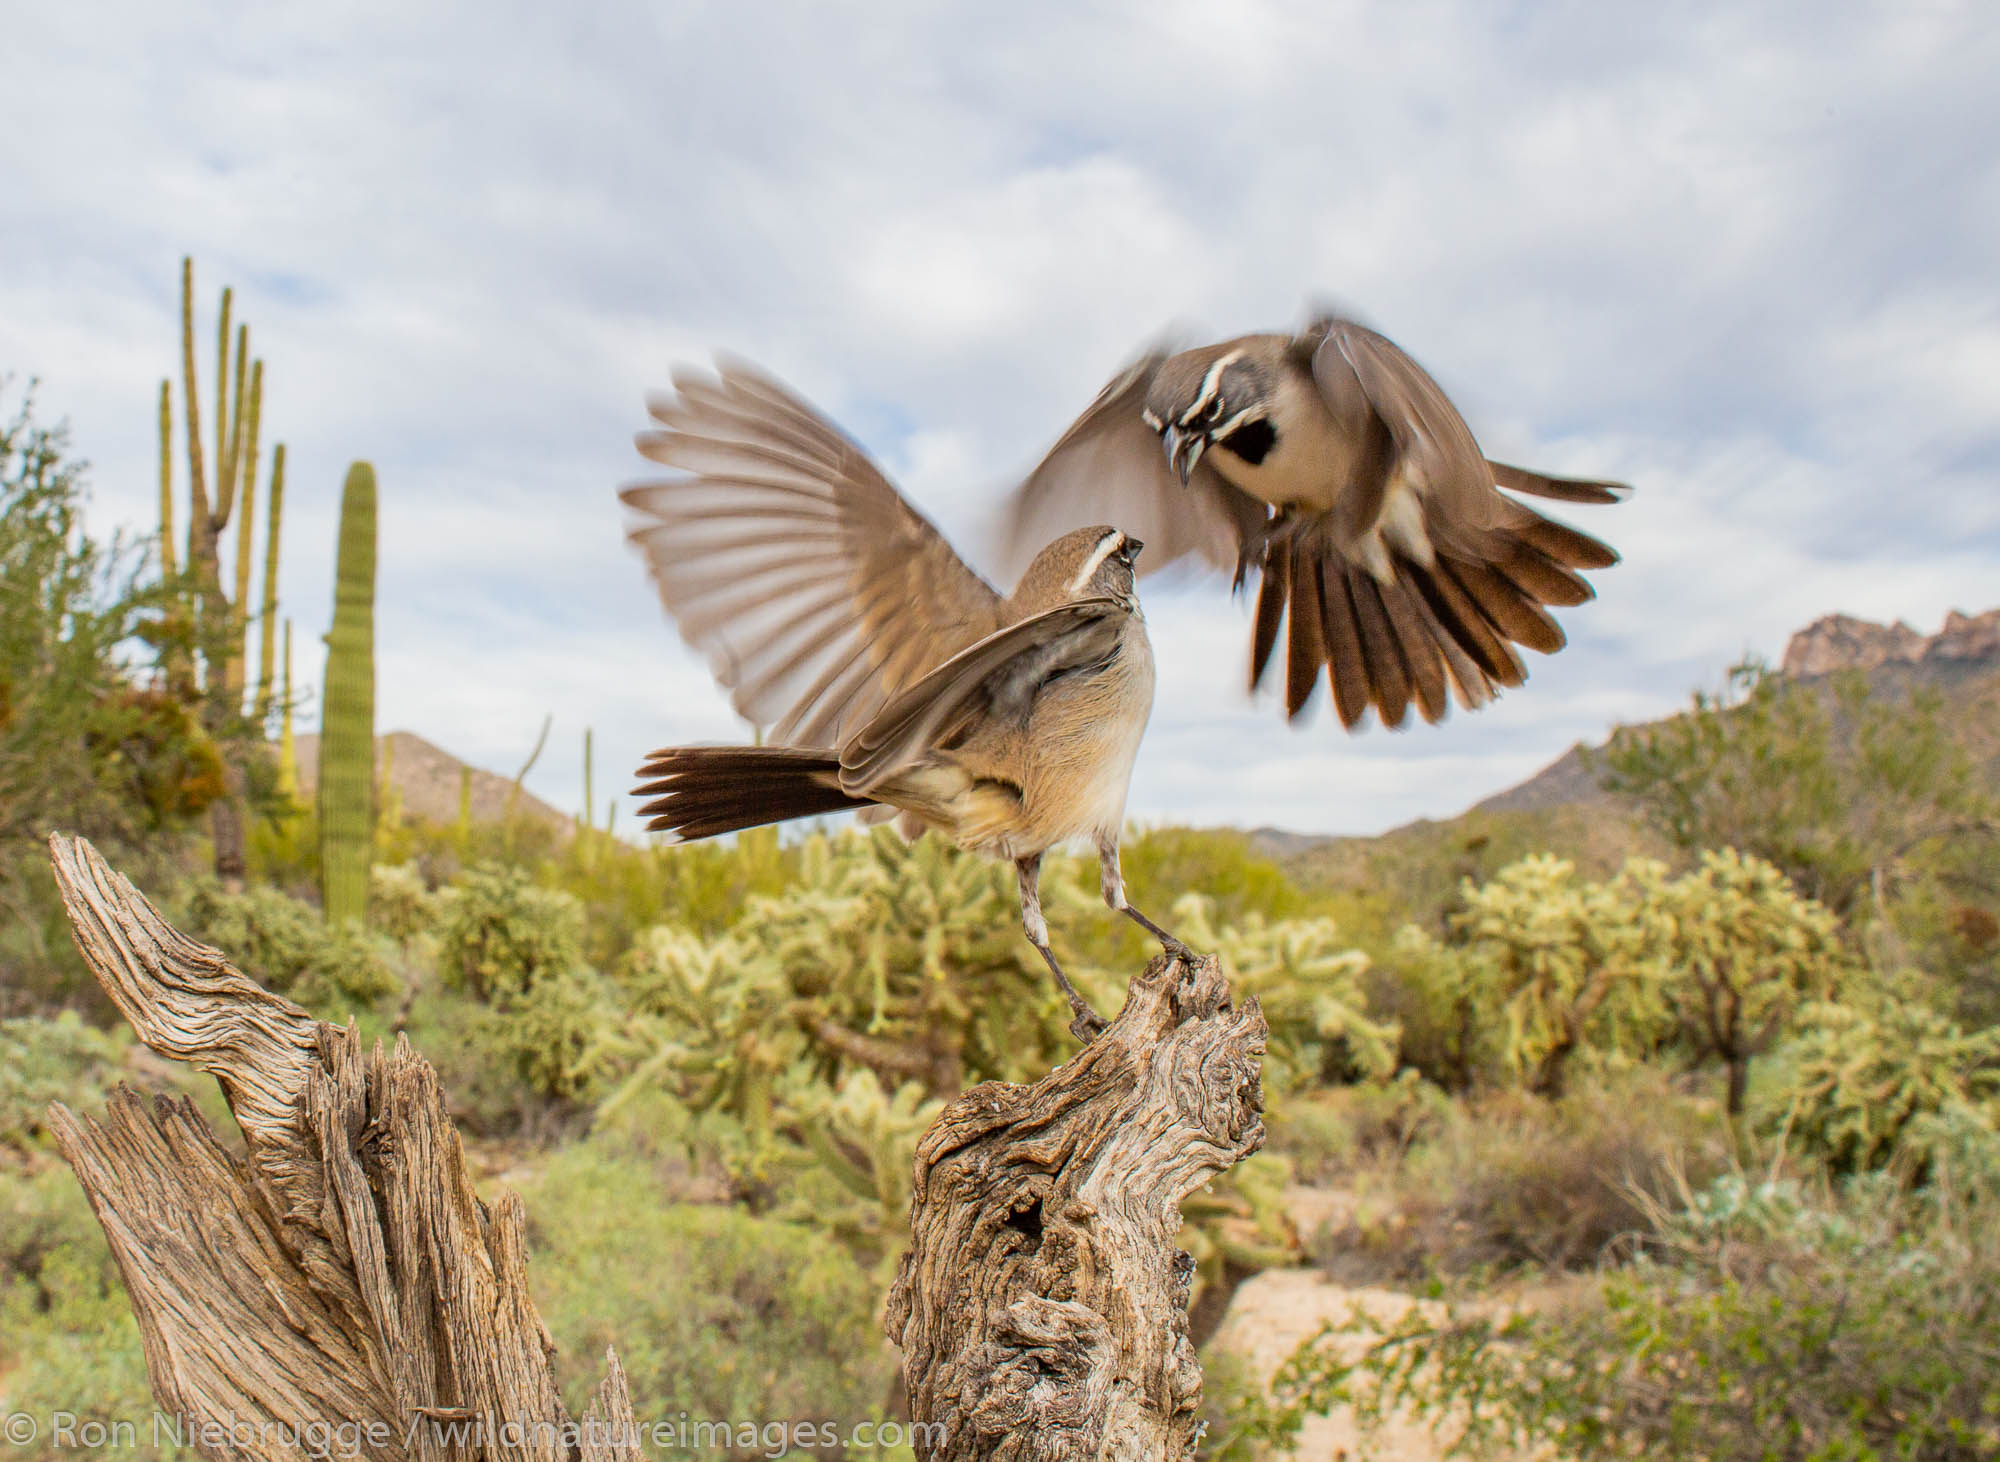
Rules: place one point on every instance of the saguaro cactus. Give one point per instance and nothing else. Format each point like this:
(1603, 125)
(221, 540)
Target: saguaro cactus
(207, 648)
(288, 747)
(347, 710)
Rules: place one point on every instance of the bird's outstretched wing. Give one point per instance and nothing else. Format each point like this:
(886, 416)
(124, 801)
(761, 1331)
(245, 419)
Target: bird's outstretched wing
(1406, 616)
(995, 680)
(1108, 468)
(782, 553)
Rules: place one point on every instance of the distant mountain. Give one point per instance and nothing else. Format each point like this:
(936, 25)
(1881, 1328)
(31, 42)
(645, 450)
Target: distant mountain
(1562, 805)
(427, 777)
(1841, 642)
(1895, 658)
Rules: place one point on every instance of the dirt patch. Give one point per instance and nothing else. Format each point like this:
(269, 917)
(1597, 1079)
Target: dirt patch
(1275, 1312)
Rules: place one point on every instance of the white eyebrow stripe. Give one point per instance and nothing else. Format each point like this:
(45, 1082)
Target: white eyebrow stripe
(1241, 418)
(1210, 384)
(1105, 547)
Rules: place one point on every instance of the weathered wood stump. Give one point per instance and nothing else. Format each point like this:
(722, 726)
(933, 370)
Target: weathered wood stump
(1042, 1306)
(345, 1292)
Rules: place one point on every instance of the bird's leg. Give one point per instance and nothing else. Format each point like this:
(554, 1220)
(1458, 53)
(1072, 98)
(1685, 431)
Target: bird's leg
(1256, 548)
(1085, 1023)
(1112, 879)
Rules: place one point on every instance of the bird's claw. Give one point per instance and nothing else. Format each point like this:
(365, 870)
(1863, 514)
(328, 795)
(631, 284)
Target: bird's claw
(1086, 1025)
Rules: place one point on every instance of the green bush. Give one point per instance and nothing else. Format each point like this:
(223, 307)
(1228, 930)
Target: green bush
(500, 933)
(1331, 1132)
(43, 1061)
(1777, 1325)
(400, 904)
(68, 1341)
(712, 1311)
(284, 945)
(1884, 1087)
(1520, 1181)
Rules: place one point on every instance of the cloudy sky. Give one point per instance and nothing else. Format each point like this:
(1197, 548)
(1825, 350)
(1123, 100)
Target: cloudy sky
(1742, 256)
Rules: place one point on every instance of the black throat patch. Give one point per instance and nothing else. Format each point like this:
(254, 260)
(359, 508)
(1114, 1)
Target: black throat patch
(1252, 441)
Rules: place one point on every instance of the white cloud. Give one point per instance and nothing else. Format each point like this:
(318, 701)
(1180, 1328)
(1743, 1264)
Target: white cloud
(1738, 255)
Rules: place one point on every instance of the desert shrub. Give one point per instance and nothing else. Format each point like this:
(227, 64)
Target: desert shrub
(713, 1311)
(400, 904)
(1521, 1181)
(67, 1338)
(500, 933)
(1329, 1132)
(1847, 790)
(43, 1061)
(1884, 1086)
(1771, 1323)
(284, 945)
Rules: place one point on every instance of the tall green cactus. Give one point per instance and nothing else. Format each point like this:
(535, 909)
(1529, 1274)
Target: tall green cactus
(288, 747)
(268, 615)
(347, 711)
(207, 648)
(166, 479)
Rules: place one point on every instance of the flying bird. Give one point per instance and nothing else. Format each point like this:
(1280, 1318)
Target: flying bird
(891, 677)
(1334, 466)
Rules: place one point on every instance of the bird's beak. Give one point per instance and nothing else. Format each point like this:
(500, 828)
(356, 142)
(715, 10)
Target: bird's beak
(1184, 449)
(1132, 547)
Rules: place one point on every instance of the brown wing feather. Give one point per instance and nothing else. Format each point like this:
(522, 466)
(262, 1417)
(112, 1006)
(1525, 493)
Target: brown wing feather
(1274, 587)
(1505, 607)
(998, 675)
(1306, 651)
(1564, 489)
(816, 591)
(1381, 656)
(1108, 467)
(1465, 626)
(1414, 637)
(1564, 544)
(1343, 643)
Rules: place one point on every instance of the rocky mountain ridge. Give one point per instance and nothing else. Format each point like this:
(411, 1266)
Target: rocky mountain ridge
(1843, 642)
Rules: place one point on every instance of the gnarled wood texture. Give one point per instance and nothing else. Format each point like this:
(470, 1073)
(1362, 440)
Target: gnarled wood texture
(1042, 1306)
(343, 1291)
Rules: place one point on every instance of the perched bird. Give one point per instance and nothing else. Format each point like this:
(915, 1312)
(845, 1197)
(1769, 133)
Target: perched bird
(1331, 463)
(891, 676)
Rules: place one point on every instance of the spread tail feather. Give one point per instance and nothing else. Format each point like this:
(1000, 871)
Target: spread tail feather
(1431, 629)
(702, 791)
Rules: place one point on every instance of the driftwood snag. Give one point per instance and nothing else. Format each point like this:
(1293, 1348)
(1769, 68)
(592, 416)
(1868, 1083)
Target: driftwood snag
(1042, 1306)
(344, 1293)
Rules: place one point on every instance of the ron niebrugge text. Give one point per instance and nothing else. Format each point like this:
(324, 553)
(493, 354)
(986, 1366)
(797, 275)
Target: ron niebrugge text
(70, 1430)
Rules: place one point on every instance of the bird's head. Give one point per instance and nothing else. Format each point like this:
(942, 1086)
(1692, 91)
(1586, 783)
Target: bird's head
(1204, 397)
(1088, 563)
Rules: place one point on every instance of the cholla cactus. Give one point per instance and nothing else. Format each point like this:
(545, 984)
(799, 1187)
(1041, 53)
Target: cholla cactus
(1886, 1087)
(1564, 964)
(1309, 983)
(908, 959)
(1743, 951)
(865, 1139)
